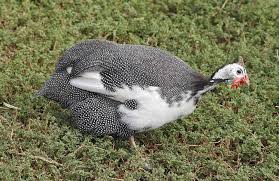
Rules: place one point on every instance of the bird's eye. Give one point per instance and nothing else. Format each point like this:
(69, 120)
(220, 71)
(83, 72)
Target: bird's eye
(239, 71)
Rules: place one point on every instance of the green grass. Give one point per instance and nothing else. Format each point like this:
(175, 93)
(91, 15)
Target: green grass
(232, 135)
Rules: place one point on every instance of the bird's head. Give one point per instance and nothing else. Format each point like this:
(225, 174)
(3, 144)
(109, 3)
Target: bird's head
(234, 74)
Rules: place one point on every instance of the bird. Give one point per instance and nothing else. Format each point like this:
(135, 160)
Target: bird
(123, 89)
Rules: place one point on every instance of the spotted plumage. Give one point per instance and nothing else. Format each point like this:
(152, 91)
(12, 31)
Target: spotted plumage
(120, 89)
(99, 116)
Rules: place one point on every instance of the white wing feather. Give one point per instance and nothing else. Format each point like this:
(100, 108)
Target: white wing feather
(90, 81)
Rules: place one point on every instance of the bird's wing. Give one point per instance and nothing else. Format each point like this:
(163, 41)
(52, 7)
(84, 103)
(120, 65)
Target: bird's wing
(93, 82)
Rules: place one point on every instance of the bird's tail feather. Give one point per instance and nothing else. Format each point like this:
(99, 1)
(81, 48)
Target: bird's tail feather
(58, 89)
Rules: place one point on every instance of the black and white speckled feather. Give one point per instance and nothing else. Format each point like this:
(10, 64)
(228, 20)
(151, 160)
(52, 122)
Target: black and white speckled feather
(99, 116)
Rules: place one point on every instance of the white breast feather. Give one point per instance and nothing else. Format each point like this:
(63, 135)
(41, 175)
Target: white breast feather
(152, 112)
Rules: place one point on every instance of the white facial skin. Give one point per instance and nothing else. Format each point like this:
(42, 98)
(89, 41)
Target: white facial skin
(230, 72)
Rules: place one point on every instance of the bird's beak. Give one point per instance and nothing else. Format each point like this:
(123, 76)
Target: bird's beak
(240, 81)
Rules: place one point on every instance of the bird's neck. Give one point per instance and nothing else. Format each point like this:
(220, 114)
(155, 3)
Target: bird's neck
(220, 76)
(206, 88)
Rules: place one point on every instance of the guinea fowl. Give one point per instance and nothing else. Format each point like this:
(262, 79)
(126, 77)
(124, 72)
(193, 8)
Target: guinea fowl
(121, 89)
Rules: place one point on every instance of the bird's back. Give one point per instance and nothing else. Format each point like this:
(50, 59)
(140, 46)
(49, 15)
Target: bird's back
(131, 65)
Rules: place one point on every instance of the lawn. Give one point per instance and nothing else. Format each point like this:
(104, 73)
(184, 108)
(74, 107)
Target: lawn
(232, 135)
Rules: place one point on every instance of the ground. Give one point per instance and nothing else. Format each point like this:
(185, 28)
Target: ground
(232, 135)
